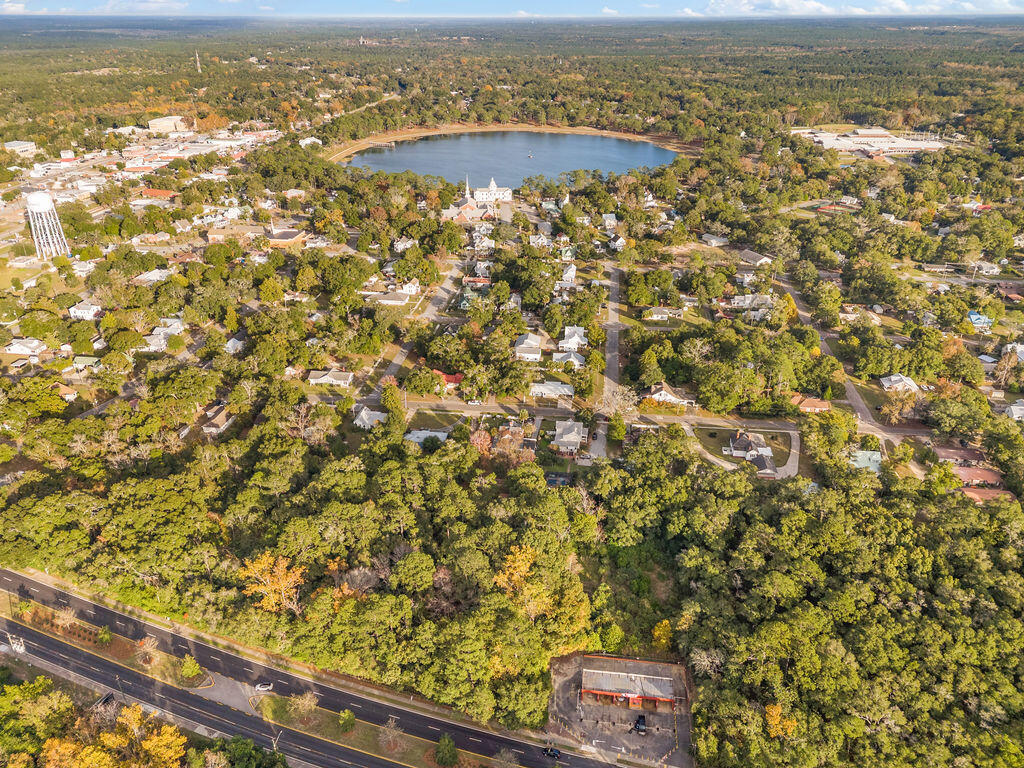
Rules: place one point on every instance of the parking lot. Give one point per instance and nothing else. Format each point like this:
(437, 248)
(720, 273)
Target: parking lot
(606, 721)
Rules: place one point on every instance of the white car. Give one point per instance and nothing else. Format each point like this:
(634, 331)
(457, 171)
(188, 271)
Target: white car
(263, 687)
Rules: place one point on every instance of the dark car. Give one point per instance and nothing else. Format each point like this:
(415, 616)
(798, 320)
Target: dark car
(640, 726)
(552, 752)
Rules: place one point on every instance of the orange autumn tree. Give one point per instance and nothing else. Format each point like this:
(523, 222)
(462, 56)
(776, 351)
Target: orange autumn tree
(275, 581)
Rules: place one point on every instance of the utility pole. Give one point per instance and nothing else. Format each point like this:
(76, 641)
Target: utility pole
(199, 67)
(117, 678)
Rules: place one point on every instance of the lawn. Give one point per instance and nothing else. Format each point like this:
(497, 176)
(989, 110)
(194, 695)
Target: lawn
(717, 438)
(872, 393)
(434, 420)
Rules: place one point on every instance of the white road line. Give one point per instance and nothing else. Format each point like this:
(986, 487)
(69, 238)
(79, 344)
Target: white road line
(433, 728)
(476, 740)
(359, 706)
(518, 750)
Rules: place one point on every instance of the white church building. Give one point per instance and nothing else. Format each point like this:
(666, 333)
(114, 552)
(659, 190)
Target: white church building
(492, 193)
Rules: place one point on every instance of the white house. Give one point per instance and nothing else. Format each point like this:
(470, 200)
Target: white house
(982, 323)
(1015, 348)
(986, 268)
(753, 258)
(608, 221)
(170, 326)
(715, 241)
(569, 436)
(393, 299)
(1016, 411)
(368, 419)
(663, 393)
(403, 244)
(551, 390)
(569, 273)
(310, 141)
(218, 420)
(528, 347)
(899, 383)
(26, 346)
(574, 358)
(617, 243)
(573, 340)
(747, 445)
(420, 436)
(333, 377)
(85, 310)
(234, 345)
(155, 342)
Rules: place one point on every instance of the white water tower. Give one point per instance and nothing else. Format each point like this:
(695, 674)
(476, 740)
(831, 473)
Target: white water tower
(46, 230)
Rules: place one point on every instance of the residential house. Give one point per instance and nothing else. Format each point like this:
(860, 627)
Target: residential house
(753, 258)
(871, 460)
(569, 436)
(403, 244)
(333, 377)
(393, 299)
(25, 346)
(420, 436)
(574, 339)
(85, 310)
(898, 382)
(982, 323)
(528, 347)
(747, 445)
(367, 418)
(663, 393)
(573, 358)
(608, 221)
(979, 476)
(617, 243)
(1016, 411)
(715, 241)
(810, 404)
(662, 314)
(218, 420)
(986, 268)
(234, 345)
(551, 390)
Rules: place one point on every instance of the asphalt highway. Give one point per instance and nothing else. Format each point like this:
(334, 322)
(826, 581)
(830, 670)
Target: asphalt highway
(130, 684)
(195, 708)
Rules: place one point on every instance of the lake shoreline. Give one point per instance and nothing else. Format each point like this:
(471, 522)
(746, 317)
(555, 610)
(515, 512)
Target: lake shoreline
(345, 152)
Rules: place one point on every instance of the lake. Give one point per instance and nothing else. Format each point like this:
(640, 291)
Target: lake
(506, 156)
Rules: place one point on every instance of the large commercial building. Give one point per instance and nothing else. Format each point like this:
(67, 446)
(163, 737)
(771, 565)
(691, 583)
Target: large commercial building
(169, 124)
(869, 142)
(624, 681)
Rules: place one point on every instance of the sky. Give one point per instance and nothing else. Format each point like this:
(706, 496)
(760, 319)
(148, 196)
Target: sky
(524, 9)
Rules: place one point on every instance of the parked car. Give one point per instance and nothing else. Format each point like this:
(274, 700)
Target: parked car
(263, 687)
(552, 752)
(640, 726)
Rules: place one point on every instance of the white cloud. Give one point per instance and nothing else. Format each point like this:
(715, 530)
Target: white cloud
(10, 7)
(527, 15)
(132, 7)
(609, 11)
(689, 12)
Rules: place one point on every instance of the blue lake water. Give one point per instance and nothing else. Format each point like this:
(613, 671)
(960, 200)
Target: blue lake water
(505, 156)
